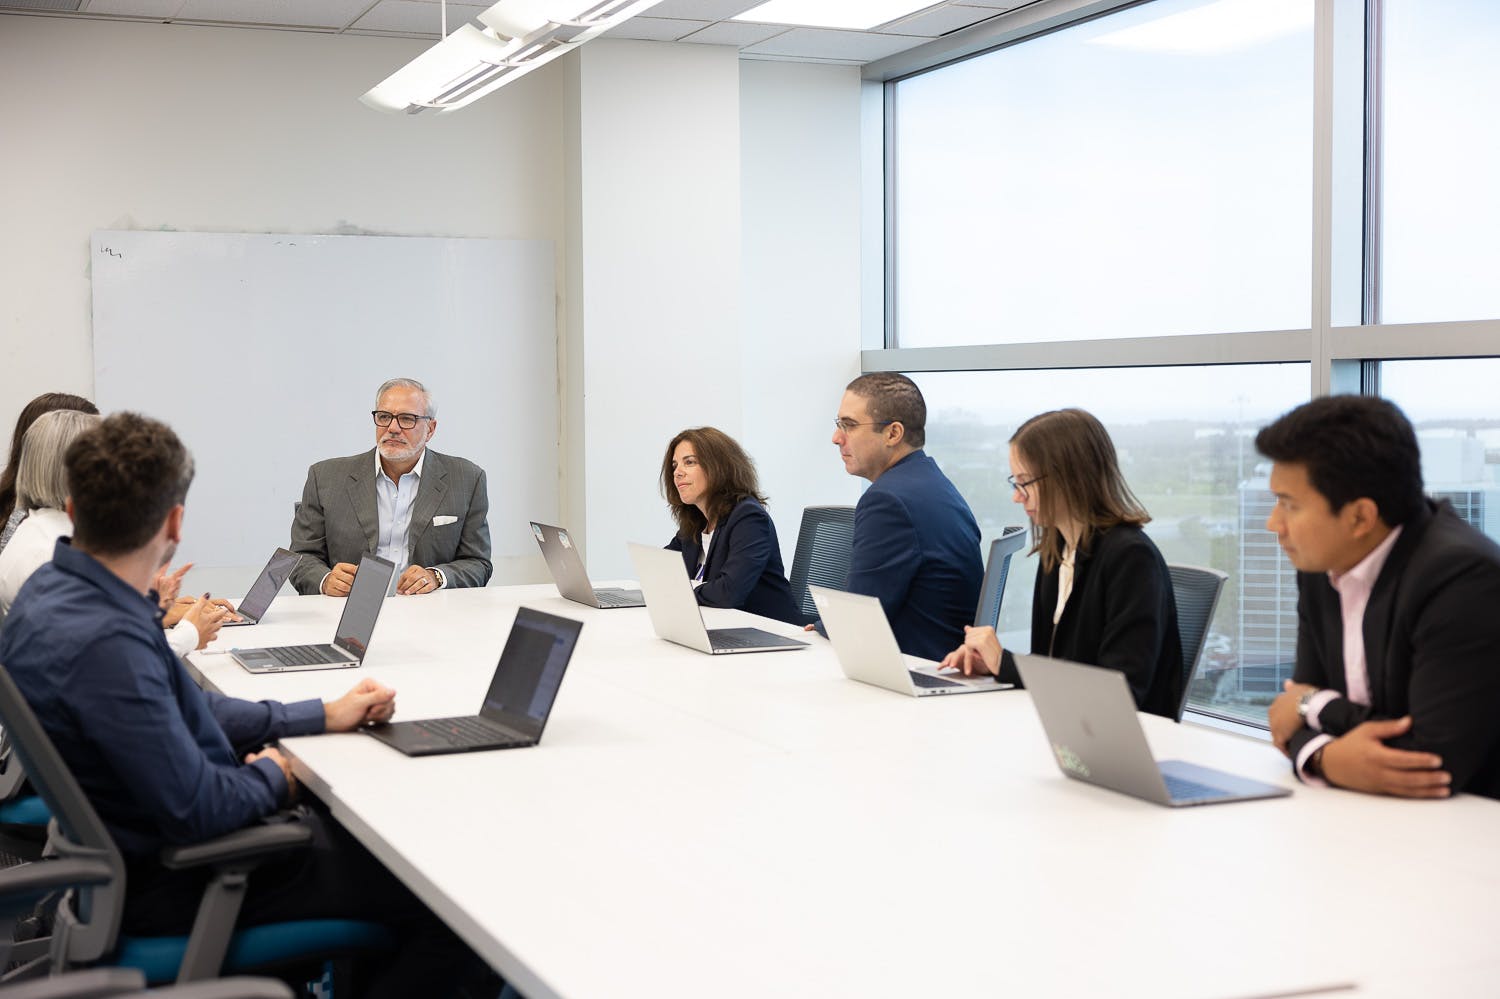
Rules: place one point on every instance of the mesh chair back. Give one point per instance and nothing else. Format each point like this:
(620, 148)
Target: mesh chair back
(85, 930)
(1196, 591)
(824, 544)
(996, 571)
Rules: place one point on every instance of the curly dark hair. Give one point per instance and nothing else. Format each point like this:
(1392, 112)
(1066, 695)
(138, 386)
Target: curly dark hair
(124, 477)
(730, 472)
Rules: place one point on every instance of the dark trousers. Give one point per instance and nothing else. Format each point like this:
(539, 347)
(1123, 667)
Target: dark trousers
(334, 878)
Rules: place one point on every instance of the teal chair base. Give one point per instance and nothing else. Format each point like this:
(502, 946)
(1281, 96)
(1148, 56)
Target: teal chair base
(258, 947)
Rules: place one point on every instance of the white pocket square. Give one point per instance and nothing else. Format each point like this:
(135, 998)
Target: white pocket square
(443, 521)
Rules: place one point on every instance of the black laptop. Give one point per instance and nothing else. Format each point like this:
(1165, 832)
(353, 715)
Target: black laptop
(520, 696)
(265, 588)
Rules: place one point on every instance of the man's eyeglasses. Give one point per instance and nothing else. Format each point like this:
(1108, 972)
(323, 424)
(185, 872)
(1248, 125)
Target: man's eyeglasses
(849, 426)
(1022, 487)
(403, 420)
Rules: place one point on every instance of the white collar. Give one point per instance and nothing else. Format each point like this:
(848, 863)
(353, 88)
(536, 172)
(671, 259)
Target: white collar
(416, 470)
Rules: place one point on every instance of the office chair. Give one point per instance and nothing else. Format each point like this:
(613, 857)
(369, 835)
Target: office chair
(996, 571)
(86, 929)
(23, 887)
(824, 544)
(1196, 591)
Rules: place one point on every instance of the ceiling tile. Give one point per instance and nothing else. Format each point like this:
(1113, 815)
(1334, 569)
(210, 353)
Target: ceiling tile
(701, 10)
(133, 8)
(655, 29)
(939, 21)
(828, 43)
(997, 5)
(736, 33)
(415, 17)
(321, 14)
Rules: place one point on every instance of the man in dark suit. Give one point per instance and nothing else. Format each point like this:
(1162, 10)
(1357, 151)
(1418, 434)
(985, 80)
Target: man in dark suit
(422, 510)
(1397, 683)
(916, 544)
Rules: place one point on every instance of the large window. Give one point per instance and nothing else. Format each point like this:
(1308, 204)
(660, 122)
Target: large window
(1137, 175)
(1441, 171)
(1240, 203)
(1185, 441)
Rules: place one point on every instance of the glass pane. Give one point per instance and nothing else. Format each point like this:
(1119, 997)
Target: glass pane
(1140, 174)
(1441, 157)
(1186, 439)
(1450, 402)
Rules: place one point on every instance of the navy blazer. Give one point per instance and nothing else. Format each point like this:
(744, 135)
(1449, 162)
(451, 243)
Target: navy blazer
(916, 547)
(744, 564)
(1121, 614)
(1432, 647)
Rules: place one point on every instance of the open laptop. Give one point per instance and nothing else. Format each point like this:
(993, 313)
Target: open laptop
(867, 651)
(350, 639)
(572, 579)
(519, 700)
(675, 614)
(1096, 736)
(255, 604)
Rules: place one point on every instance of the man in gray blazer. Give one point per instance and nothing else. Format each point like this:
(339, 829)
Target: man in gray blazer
(422, 510)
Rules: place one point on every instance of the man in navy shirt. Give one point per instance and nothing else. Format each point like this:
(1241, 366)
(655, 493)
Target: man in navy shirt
(163, 762)
(916, 544)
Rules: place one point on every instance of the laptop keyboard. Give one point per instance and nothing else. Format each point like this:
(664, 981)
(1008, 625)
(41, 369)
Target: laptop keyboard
(927, 680)
(1180, 788)
(617, 599)
(466, 731)
(306, 655)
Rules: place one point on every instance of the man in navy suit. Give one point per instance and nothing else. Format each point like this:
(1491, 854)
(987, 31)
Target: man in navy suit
(916, 544)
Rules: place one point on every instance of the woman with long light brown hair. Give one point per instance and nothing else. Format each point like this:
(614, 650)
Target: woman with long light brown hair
(727, 539)
(1103, 595)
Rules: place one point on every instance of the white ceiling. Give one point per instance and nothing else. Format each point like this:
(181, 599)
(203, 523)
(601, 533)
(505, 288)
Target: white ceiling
(700, 21)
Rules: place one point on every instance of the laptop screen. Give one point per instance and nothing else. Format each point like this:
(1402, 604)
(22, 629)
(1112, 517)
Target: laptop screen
(530, 670)
(357, 623)
(267, 584)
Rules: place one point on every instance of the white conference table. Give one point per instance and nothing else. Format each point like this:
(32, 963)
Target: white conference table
(757, 825)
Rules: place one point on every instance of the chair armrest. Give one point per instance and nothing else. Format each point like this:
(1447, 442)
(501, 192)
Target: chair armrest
(242, 844)
(225, 988)
(22, 885)
(96, 983)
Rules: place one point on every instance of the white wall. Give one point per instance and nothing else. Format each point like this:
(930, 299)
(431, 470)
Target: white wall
(799, 179)
(121, 125)
(658, 288)
(704, 212)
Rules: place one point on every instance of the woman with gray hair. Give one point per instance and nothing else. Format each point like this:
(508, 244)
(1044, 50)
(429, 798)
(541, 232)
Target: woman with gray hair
(42, 491)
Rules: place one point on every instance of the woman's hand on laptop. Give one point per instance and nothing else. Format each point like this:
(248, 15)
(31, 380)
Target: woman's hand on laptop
(978, 656)
(367, 703)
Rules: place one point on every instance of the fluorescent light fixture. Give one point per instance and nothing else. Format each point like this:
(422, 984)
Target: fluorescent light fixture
(517, 37)
(860, 15)
(1218, 27)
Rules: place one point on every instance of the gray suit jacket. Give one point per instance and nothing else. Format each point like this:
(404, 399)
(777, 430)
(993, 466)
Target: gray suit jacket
(338, 520)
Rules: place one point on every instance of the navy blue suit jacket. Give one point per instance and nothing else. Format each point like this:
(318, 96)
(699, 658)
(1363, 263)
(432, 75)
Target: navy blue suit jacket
(916, 547)
(744, 564)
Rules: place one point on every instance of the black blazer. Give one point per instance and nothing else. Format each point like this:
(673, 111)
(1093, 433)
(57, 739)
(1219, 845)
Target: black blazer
(1121, 614)
(1432, 647)
(744, 564)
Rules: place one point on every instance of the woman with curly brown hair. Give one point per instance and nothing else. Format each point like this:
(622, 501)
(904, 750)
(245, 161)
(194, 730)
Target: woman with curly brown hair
(727, 540)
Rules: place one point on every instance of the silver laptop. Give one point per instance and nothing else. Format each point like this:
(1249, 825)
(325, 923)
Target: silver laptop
(572, 579)
(867, 651)
(675, 614)
(350, 639)
(265, 588)
(1096, 736)
(520, 697)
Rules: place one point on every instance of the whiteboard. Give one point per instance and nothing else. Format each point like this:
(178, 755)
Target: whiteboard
(264, 352)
